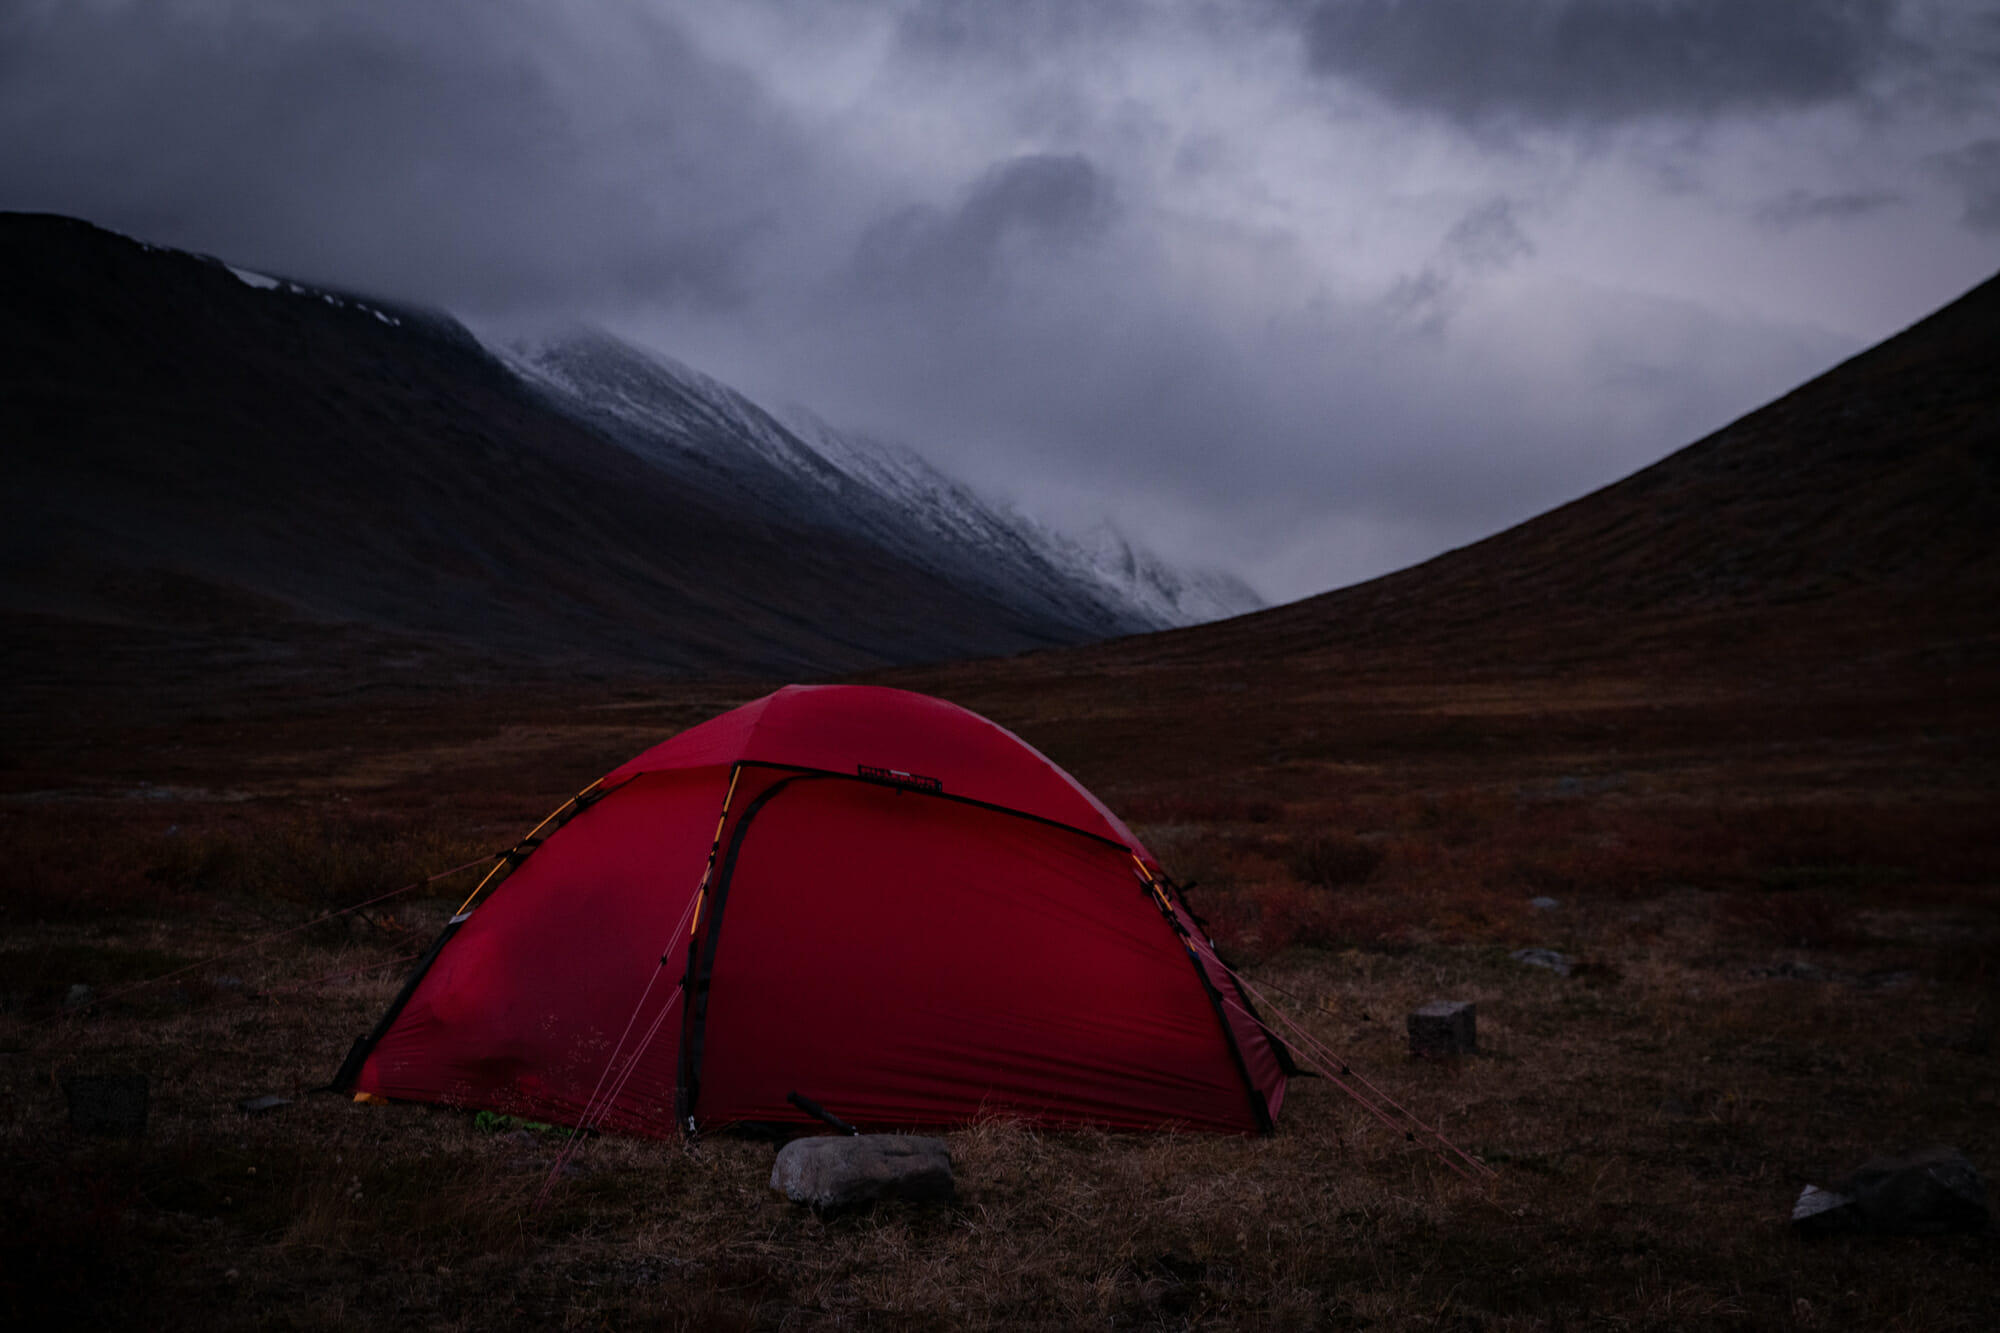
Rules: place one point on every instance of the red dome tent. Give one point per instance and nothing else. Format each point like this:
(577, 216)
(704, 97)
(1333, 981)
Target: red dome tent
(871, 897)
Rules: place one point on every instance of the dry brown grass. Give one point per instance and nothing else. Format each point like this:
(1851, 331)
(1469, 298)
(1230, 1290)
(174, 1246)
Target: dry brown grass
(1788, 963)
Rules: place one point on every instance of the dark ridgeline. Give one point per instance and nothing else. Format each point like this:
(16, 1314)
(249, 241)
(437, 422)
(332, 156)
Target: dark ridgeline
(196, 461)
(1858, 514)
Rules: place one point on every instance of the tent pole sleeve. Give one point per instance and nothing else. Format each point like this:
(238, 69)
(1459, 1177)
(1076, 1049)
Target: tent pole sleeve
(1260, 1114)
(1279, 1050)
(701, 964)
(520, 851)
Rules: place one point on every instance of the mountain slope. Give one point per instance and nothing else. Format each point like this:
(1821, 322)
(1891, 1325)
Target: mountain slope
(195, 448)
(1859, 509)
(829, 480)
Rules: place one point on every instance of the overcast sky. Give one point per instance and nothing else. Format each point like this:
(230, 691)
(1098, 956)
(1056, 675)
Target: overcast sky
(1308, 289)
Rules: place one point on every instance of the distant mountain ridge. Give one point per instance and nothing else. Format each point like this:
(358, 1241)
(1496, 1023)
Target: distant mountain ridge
(209, 449)
(823, 478)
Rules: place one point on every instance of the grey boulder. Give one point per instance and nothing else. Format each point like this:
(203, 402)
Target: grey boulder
(850, 1170)
(1923, 1192)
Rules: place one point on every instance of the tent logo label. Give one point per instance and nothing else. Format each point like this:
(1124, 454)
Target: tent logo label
(902, 779)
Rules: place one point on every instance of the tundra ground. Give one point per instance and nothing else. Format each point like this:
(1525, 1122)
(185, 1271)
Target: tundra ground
(1782, 896)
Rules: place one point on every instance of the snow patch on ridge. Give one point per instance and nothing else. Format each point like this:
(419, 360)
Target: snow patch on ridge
(887, 494)
(249, 278)
(1162, 594)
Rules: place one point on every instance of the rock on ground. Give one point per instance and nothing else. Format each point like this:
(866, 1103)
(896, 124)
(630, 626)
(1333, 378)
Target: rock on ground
(1444, 1027)
(1923, 1192)
(1558, 963)
(1824, 1210)
(842, 1172)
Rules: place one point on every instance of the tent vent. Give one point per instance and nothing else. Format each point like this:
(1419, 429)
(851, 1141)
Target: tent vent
(896, 775)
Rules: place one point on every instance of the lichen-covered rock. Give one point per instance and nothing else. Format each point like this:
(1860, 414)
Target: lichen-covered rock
(846, 1171)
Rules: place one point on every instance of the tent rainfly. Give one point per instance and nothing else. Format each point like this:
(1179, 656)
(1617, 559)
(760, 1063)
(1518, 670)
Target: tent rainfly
(873, 898)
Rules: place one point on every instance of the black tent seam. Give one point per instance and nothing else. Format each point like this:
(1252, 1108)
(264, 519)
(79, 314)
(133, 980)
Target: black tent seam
(357, 1055)
(1279, 1050)
(1260, 1113)
(940, 795)
(701, 960)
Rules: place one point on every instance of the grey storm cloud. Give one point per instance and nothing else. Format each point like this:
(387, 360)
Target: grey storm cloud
(1487, 239)
(1037, 201)
(1975, 170)
(1019, 29)
(1572, 62)
(1798, 208)
(454, 151)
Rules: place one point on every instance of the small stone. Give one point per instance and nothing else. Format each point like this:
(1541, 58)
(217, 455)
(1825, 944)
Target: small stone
(79, 995)
(1558, 963)
(839, 1172)
(107, 1103)
(1444, 1027)
(259, 1105)
(1819, 1210)
(1545, 904)
(1794, 970)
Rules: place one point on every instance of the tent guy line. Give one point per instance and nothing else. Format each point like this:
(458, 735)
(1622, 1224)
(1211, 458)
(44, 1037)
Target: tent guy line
(594, 1111)
(1312, 1052)
(1322, 1060)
